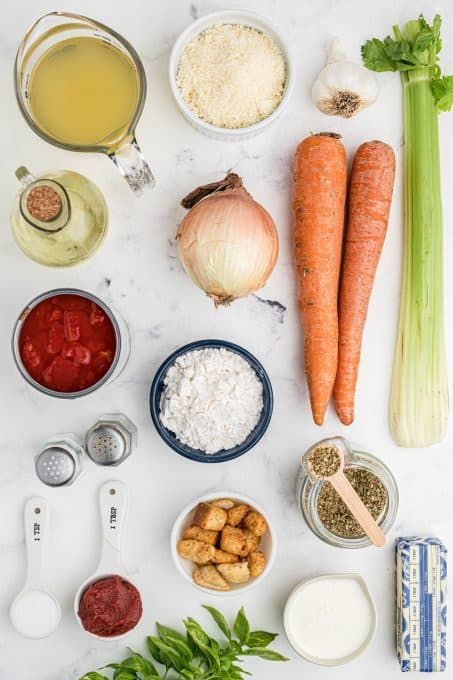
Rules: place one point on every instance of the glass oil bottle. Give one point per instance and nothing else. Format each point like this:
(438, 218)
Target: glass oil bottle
(59, 219)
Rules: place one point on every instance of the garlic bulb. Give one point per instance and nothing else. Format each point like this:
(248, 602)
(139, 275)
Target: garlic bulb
(227, 242)
(343, 87)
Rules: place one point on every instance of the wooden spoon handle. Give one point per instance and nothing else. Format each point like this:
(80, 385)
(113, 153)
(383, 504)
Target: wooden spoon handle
(361, 513)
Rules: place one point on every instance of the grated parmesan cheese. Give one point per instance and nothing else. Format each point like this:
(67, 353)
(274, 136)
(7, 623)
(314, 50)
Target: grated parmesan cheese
(232, 75)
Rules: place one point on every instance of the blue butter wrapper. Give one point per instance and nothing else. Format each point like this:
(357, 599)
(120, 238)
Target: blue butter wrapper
(421, 593)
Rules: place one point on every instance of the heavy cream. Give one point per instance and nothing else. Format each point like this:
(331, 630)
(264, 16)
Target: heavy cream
(331, 619)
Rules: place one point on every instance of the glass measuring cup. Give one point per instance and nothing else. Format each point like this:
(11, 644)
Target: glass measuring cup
(61, 29)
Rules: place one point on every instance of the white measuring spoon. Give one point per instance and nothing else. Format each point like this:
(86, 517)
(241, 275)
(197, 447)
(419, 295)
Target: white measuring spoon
(112, 508)
(35, 613)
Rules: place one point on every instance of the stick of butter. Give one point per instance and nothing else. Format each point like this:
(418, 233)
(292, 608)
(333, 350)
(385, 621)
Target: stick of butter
(421, 593)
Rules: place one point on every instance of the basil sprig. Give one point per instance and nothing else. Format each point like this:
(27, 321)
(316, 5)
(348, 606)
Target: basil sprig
(195, 655)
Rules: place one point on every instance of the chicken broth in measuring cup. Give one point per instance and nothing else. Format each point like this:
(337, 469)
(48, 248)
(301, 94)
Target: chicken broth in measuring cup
(84, 91)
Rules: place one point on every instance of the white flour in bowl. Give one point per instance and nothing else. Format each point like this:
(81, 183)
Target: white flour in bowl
(212, 399)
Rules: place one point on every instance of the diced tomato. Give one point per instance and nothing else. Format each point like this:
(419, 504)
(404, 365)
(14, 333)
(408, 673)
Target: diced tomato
(102, 360)
(71, 303)
(71, 322)
(56, 314)
(30, 355)
(67, 343)
(42, 310)
(61, 375)
(96, 315)
(55, 338)
(77, 352)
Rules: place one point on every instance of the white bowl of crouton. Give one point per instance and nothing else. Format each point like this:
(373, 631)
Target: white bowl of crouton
(223, 543)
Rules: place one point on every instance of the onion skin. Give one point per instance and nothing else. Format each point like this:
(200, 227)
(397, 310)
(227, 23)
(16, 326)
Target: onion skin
(228, 243)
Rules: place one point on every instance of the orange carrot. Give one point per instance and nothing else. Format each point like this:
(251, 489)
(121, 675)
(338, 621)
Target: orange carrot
(319, 197)
(370, 196)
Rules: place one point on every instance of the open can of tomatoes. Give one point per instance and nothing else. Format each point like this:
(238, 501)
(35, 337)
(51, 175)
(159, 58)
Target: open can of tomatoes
(67, 343)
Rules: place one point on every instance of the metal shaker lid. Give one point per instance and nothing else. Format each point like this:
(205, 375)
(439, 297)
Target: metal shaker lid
(106, 445)
(111, 439)
(55, 466)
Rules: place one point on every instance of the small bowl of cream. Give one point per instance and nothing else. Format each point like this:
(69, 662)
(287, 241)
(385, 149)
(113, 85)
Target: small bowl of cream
(231, 74)
(211, 401)
(330, 620)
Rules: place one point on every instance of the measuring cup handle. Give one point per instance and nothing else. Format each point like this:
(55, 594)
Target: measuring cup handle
(133, 166)
(112, 508)
(36, 520)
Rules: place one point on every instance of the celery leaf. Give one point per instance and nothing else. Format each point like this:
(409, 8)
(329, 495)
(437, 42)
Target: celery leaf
(442, 89)
(375, 57)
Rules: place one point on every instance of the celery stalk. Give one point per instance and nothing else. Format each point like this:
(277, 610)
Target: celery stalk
(418, 408)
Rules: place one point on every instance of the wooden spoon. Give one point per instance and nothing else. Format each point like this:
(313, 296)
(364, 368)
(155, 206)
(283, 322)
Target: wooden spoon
(351, 499)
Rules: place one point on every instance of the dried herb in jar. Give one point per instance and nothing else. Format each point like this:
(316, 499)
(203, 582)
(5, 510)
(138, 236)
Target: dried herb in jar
(334, 514)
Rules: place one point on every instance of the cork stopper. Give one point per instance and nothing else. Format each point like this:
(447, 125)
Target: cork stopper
(44, 203)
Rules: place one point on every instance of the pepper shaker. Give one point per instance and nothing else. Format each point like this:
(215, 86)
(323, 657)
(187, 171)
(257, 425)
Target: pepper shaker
(111, 439)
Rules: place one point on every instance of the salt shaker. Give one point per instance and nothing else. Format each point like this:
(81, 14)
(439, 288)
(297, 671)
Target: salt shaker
(59, 461)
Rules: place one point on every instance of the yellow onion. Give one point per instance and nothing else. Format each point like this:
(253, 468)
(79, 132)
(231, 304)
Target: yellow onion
(227, 242)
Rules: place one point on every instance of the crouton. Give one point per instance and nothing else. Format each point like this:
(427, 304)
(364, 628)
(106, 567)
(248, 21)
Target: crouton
(209, 577)
(256, 523)
(253, 542)
(257, 563)
(235, 541)
(197, 551)
(200, 534)
(222, 557)
(235, 573)
(225, 503)
(237, 514)
(210, 517)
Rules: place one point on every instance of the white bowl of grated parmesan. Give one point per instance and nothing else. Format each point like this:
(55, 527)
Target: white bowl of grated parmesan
(231, 74)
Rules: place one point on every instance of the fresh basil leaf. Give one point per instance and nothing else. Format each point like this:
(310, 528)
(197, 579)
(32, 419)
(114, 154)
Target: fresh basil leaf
(137, 662)
(220, 621)
(242, 627)
(154, 650)
(237, 669)
(192, 625)
(122, 671)
(169, 633)
(442, 89)
(202, 642)
(170, 655)
(93, 676)
(177, 641)
(260, 638)
(124, 674)
(267, 654)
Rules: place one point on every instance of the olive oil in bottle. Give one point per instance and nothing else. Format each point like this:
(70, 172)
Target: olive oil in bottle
(59, 219)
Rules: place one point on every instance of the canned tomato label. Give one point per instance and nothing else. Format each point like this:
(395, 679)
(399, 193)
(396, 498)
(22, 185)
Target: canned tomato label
(67, 343)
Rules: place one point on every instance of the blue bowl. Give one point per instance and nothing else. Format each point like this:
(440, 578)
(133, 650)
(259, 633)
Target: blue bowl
(195, 454)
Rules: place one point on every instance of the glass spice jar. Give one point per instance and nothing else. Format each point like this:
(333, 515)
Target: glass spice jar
(308, 490)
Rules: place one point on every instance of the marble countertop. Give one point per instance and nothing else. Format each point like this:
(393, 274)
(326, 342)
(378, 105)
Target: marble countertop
(137, 270)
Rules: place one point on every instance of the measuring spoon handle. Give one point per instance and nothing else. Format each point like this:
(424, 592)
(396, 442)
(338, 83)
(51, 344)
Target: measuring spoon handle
(112, 509)
(36, 522)
(361, 513)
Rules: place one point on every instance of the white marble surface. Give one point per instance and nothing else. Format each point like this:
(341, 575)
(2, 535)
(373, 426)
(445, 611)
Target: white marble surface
(137, 270)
